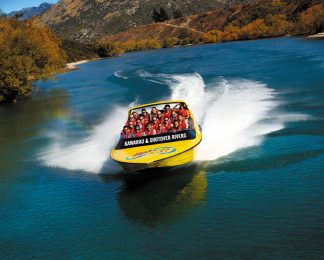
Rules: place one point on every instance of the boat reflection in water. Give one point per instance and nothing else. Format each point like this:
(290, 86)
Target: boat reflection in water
(156, 199)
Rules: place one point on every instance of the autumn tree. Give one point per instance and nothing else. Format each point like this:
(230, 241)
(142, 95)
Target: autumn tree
(312, 20)
(170, 42)
(212, 36)
(27, 53)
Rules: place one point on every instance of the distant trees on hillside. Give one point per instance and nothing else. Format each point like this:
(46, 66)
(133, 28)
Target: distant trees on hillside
(27, 53)
(160, 16)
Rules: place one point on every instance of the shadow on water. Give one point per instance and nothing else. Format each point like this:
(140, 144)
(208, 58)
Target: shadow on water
(156, 198)
(20, 124)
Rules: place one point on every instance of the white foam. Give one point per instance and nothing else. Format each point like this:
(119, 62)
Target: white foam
(119, 74)
(234, 114)
(90, 154)
(231, 113)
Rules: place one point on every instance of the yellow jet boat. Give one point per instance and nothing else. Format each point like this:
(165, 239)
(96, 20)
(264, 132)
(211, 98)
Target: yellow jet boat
(169, 148)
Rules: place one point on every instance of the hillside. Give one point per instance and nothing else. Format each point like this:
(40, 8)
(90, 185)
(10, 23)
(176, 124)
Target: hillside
(89, 20)
(27, 13)
(281, 17)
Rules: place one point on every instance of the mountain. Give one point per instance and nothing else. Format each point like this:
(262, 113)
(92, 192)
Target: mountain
(89, 20)
(250, 20)
(27, 13)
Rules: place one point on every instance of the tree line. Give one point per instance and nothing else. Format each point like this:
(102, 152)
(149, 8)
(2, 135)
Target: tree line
(266, 20)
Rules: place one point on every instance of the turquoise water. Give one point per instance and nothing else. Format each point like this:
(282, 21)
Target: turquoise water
(255, 190)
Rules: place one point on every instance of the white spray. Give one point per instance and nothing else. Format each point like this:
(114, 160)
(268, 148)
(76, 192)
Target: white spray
(232, 115)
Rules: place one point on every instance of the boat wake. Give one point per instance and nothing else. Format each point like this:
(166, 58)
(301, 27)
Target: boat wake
(119, 74)
(234, 114)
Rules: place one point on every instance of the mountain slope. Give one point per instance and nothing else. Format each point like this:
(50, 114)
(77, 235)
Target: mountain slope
(279, 17)
(89, 20)
(27, 13)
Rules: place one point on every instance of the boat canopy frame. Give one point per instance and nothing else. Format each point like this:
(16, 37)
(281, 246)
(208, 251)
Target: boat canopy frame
(165, 102)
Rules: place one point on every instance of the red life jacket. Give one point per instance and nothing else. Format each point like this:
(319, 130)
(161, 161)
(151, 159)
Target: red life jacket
(132, 130)
(167, 114)
(167, 126)
(183, 124)
(162, 131)
(133, 121)
(147, 117)
(184, 112)
(136, 135)
(125, 135)
(174, 118)
(156, 125)
(161, 119)
(153, 115)
(143, 124)
(152, 132)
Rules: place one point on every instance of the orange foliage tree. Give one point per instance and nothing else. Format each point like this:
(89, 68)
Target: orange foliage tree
(27, 53)
(311, 20)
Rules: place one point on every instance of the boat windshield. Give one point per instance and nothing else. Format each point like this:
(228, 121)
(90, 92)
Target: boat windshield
(157, 119)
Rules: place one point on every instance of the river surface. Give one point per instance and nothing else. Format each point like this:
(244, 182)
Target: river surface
(255, 190)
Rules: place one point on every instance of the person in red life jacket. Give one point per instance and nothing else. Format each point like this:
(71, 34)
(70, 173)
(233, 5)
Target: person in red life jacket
(131, 127)
(131, 119)
(160, 116)
(154, 112)
(155, 123)
(167, 123)
(167, 111)
(176, 126)
(183, 111)
(150, 130)
(140, 125)
(126, 133)
(145, 115)
(161, 129)
(183, 122)
(143, 121)
(138, 132)
(135, 115)
(174, 116)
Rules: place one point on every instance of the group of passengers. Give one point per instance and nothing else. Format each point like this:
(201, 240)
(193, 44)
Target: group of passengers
(157, 122)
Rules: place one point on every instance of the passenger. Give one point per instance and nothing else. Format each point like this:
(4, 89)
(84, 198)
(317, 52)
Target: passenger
(131, 127)
(143, 121)
(135, 115)
(150, 130)
(176, 126)
(167, 123)
(131, 119)
(140, 125)
(171, 130)
(161, 129)
(155, 123)
(145, 115)
(160, 116)
(138, 132)
(174, 116)
(183, 122)
(183, 111)
(154, 112)
(167, 111)
(126, 133)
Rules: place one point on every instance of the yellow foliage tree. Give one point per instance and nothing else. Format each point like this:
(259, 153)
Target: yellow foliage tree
(212, 36)
(27, 53)
(311, 20)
